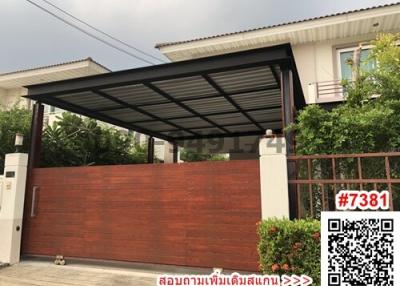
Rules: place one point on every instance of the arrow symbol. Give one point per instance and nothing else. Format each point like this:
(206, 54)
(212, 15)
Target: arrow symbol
(296, 280)
(286, 280)
(306, 280)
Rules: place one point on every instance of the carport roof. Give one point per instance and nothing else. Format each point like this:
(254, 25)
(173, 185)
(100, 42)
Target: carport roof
(229, 95)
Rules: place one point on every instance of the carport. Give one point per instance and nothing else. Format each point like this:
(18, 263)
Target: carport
(233, 95)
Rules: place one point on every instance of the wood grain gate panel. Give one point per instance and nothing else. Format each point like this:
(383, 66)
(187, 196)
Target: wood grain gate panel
(194, 214)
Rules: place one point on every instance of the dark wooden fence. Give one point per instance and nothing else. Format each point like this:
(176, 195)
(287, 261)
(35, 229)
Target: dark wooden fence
(317, 179)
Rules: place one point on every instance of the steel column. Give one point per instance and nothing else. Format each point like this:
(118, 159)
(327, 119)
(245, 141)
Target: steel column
(36, 136)
(175, 153)
(287, 106)
(150, 150)
(287, 97)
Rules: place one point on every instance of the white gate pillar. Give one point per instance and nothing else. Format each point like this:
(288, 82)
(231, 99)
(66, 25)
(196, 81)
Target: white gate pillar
(273, 178)
(171, 153)
(168, 153)
(12, 206)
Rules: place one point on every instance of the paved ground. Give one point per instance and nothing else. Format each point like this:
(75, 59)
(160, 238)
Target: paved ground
(39, 273)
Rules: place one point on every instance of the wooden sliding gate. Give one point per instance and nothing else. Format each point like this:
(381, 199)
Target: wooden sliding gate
(194, 214)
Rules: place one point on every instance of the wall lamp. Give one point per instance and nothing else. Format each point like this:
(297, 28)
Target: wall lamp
(19, 141)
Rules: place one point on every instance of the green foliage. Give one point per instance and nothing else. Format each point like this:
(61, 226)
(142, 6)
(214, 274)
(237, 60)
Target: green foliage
(75, 141)
(384, 80)
(367, 128)
(191, 156)
(12, 121)
(290, 247)
(365, 123)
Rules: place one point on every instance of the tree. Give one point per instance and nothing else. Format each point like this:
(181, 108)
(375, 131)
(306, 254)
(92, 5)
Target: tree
(365, 123)
(191, 156)
(71, 141)
(12, 121)
(75, 141)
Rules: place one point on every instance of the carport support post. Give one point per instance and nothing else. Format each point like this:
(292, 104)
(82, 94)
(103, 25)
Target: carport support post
(175, 153)
(150, 150)
(288, 113)
(36, 136)
(287, 105)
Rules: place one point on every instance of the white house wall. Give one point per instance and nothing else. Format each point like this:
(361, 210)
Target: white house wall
(317, 62)
(11, 97)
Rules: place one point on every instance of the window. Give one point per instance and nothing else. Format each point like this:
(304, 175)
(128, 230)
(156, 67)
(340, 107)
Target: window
(344, 55)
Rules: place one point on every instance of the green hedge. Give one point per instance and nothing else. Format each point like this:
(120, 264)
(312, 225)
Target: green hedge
(290, 247)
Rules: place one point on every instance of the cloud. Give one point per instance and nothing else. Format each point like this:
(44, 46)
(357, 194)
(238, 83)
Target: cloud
(30, 37)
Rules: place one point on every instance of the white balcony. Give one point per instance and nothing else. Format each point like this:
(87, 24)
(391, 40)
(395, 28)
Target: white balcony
(325, 91)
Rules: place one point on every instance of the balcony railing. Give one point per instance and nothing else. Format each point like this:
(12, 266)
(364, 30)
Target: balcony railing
(325, 91)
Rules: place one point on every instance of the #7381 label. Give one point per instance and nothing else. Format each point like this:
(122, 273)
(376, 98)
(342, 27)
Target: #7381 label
(362, 200)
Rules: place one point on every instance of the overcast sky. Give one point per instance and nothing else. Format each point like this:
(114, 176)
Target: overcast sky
(32, 38)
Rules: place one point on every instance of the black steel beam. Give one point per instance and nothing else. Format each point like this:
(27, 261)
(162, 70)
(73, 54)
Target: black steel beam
(184, 106)
(215, 113)
(227, 125)
(230, 100)
(226, 62)
(140, 110)
(86, 112)
(250, 90)
(276, 76)
(220, 135)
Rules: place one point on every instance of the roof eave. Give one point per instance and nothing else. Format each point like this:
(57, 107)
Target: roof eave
(280, 28)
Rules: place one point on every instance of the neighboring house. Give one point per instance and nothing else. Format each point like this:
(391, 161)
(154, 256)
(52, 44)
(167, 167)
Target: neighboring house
(321, 46)
(12, 83)
(12, 88)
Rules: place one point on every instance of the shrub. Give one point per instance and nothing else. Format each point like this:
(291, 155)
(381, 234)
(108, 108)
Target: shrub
(12, 121)
(76, 141)
(192, 156)
(290, 247)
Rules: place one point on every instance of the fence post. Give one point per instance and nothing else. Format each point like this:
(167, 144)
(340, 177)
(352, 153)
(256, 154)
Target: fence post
(12, 207)
(273, 178)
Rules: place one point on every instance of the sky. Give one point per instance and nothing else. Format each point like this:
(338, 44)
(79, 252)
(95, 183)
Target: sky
(31, 38)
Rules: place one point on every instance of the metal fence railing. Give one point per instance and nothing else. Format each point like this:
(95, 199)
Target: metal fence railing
(317, 178)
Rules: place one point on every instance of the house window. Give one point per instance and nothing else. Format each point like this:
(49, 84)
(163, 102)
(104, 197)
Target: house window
(344, 55)
(52, 109)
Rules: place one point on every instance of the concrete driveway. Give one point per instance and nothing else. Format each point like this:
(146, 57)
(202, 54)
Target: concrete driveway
(39, 273)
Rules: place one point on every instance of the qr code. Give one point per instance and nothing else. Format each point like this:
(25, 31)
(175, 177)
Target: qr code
(360, 248)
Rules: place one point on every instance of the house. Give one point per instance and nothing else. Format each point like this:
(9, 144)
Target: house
(12, 84)
(12, 88)
(320, 45)
(200, 214)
